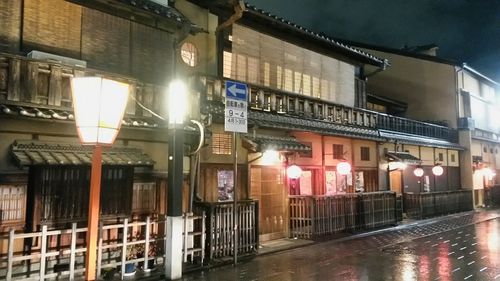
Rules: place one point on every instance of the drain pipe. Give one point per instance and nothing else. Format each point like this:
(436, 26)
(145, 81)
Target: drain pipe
(239, 8)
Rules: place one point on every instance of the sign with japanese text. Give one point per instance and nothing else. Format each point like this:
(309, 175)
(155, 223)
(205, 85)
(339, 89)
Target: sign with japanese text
(236, 107)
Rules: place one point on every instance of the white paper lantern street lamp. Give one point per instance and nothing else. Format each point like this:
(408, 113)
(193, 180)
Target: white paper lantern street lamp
(98, 105)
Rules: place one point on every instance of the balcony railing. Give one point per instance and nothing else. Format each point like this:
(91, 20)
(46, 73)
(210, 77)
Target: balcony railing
(266, 99)
(46, 84)
(315, 216)
(431, 204)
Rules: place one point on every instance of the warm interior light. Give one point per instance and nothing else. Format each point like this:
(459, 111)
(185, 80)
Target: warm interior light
(99, 105)
(177, 102)
(418, 172)
(437, 170)
(489, 173)
(270, 157)
(294, 172)
(343, 168)
(397, 166)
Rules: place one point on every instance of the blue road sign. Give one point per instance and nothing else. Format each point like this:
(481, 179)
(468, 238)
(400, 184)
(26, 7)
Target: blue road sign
(236, 91)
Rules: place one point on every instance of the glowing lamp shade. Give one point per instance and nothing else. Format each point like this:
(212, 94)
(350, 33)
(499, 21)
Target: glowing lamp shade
(294, 172)
(343, 168)
(177, 102)
(489, 173)
(270, 157)
(99, 105)
(418, 172)
(437, 170)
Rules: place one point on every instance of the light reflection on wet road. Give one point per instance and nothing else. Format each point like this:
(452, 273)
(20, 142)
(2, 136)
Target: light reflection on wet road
(466, 253)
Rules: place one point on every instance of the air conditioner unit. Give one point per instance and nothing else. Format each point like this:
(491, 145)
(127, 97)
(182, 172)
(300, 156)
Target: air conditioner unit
(55, 58)
(466, 123)
(161, 2)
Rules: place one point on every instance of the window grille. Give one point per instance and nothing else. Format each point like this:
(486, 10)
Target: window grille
(365, 153)
(12, 203)
(144, 197)
(338, 151)
(265, 60)
(221, 144)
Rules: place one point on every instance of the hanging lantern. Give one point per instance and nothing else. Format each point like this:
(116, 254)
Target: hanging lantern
(437, 170)
(489, 173)
(294, 172)
(270, 157)
(418, 172)
(343, 168)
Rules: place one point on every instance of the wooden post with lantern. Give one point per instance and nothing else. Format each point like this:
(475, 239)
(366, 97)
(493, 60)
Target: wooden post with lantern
(99, 105)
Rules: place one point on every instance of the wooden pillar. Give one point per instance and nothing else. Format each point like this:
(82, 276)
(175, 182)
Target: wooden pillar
(93, 217)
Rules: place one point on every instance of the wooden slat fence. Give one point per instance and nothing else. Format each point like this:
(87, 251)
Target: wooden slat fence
(316, 216)
(431, 204)
(219, 224)
(111, 253)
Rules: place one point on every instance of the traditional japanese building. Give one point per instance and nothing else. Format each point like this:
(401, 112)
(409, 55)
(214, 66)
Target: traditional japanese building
(319, 156)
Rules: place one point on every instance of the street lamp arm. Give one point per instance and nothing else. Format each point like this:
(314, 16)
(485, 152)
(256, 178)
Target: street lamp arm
(202, 136)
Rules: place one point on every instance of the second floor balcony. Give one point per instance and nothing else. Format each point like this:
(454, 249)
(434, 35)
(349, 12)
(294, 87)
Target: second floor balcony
(306, 109)
(41, 89)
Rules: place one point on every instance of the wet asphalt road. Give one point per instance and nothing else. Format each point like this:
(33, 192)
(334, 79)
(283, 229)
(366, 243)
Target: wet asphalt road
(460, 248)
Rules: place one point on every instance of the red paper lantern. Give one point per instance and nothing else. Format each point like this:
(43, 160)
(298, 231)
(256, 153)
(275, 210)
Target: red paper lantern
(418, 172)
(343, 168)
(294, 172)
(437, 170)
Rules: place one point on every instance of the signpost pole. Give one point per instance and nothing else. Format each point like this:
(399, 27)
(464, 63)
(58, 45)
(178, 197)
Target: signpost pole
(236, 122)
(235, 199)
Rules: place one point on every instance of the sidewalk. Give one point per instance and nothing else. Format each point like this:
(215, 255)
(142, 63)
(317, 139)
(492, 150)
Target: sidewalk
(407, 230)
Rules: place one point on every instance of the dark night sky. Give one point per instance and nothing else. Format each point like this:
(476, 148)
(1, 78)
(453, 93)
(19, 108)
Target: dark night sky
(465, 30)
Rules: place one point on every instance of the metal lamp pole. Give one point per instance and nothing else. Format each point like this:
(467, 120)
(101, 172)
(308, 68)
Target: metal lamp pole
(177, 102)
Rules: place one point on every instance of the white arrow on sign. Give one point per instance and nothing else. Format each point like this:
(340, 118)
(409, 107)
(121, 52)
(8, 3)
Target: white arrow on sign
(233, 90)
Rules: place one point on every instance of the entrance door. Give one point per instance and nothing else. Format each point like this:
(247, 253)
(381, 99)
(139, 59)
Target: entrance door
(396, 181)
(267, 185)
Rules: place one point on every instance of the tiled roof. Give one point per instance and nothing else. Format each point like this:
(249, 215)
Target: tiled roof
(287, 122)
(28, 153)
(294, 123)
(317, 36)
(156, 8)
(262, 143)
(418, 140)
(403, 157)
(31, 111)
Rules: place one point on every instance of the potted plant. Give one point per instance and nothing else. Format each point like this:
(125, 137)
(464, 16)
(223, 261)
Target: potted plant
(153, 251)
(132, 253)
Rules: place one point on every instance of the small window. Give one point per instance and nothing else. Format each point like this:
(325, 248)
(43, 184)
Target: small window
(441, 157)
(485, 150)
(338, 151)
(189, 54)
(453, 158)
(12, 203)
(221, 144)
(365, 153)
(144, 197)
(306, 154)
(491, 150)
(496, 150)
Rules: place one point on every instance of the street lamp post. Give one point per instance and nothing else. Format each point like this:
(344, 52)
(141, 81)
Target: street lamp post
(99, 105)
(177, 108)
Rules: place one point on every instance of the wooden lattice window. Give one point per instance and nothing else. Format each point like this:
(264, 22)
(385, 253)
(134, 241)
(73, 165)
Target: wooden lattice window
(144, 197)
(338, 151)
(365, 153)
(64, 195)
(221, 144)
(12, 203)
